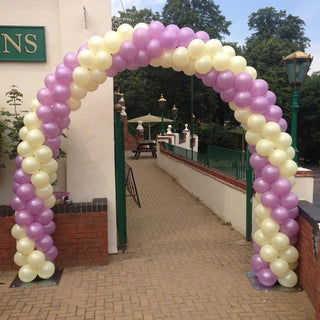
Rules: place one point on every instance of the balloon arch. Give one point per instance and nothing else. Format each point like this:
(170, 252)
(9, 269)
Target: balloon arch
(254, 106)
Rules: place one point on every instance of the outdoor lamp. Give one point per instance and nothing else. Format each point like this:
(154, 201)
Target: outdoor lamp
(174, 111)
(297, 66)
(162, 105)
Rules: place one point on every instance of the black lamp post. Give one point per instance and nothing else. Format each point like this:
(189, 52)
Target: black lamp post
(162, 105)
(174, 111)
(297, 66)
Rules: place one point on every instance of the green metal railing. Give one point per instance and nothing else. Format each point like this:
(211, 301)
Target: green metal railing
(230, 162)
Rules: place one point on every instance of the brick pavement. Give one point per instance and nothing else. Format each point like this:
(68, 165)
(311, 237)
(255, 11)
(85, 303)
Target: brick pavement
(181, 263)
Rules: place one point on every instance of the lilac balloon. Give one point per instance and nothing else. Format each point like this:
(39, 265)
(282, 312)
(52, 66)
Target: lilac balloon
(225, 79)
(202, 35)
(169, 39)
(210, 78)
(293, 239)
(281, 187)
(279, 214)
(185, 36)
(290, 227)
(52, 253)
(61, 93)
(257, 161)
(256, 247)
(243, 81)
(266, 277)
(118, 62)
(53, 143)
(70, 60)
(273, 113)
(45, 216)
(216, 87)
(35, 231)
(156, 28)
(63, 123)
(128, 50)
(35, 206)
(26, 191)
(63, 75)
(293, 213)
(173, 27)
(289, 201)
(50, 80)
(18, 161)
(45, 96)
(15, 186)
(45, 113)
(50, 129)
(55, 153)
(270, 173)
(252, 148)
(228, 95)
(142, 58)
(83, 47)
(269, 199)
(154, 48)
(132, 65)
(21, 177)
(242, 98)
(17, 204)
(24, 218)
(272, 98)
(111, 72)
(61, 110)
(260, 185)
(257, 263)
(50, 227)
(259, 104)
(44, 243)
(259, 87)
(141, 37)
(283, 125)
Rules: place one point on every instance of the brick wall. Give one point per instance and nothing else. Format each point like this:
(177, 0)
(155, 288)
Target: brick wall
(81, 235)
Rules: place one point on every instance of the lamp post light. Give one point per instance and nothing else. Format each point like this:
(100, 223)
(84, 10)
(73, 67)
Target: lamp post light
(297, 66)
(174, 111)
(162, 105)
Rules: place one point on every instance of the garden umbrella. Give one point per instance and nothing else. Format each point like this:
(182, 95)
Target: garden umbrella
(149, 120)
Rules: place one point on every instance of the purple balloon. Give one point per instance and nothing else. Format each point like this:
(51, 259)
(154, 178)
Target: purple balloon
(270, 173)
(18, 161)
(53, 143)
(61, 110)
(260, 185)
(173, 27)
(257, 263)
(141, 37)
(45, 113)
(281, 187)
(289, 201)
(273, 113)
(45, 216)
(225, 79)
(63, 75)
(228, 95)
(272, 98)
(216, 87)
(50, 80)
(50, 227)
(83, 47)
(52, 253)
(35, 206)
(256, 247)
(128, 50)
(269, 199)
(154, 48)
(259, 87)
(257, 161)
(70, 60)
(293, 213)
(169, 39)
(55, 153)
(111, 72)
(15, 186)
(24, 218)
(259, 104)
(290, 227)
(185, 36)
(50, 129)
(61, 93)
(252, 148)
(44, 243)
(63, 123)
(242, 98)
(142, 58)
(17, 204)
(35, 231)
(21, 177)
(293, 239)
(118, 62)
(243, 81)
(156, 28)
(132, 65)
(279, 214)
(266, 277)
(283, 125)
(26, 191)
(45, 96)
(210, 78)
(202, 35)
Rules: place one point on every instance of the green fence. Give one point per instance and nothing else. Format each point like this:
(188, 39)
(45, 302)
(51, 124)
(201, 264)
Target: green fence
(230, 162)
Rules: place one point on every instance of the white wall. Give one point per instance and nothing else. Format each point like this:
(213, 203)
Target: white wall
(88, 171)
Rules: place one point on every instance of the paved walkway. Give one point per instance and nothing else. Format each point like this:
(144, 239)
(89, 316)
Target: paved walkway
(181, 263)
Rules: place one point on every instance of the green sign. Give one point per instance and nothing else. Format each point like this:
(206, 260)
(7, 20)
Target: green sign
(22, 43)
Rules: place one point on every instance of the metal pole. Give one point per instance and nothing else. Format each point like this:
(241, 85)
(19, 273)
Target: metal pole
(192, 124)
(162, 126)
(294, 122)
(249, 177)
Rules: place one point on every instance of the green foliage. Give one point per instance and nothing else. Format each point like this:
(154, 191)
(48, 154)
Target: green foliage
(14, 98)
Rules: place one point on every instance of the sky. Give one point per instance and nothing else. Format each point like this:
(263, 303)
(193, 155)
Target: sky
(238, 13)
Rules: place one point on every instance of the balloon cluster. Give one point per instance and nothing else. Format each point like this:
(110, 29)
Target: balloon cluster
(193, 53)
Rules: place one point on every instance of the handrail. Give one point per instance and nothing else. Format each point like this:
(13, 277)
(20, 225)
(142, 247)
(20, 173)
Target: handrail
(131, 184)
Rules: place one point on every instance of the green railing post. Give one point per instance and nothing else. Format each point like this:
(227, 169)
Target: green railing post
(294, 122)
(249, 177)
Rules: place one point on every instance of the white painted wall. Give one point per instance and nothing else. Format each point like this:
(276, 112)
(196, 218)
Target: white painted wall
(88, 171)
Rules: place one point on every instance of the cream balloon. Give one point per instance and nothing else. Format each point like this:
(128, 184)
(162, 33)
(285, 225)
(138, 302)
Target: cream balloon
(103, 60)
(262, 212)
(23, 133)
(291, 255)
(270, 227)
(271, 130)
(212, 47)
(50, 201)
(290, 153)
(92, 86)
(81, 76)
(196, 48)
(277, 157)
(155, 62)
(221, 61)
(112, 42)
(74, 104)
(125, 32)
(238, 64)
(44, 192)
(43, 154)
(264, 147)
(98, 76)
(228, 50)
(242, 115)
(18, 232)
(53, 177)
(86, 58)
(35, 137)
(50, 166)
(203, 65)
(289, 280)
(252, 71)
(288, 168)
(252, 137)
(283, 141)
(256, 122)
(30, 165)
(31, 120)
(180, 57)
(96, 44)
(233, 106)
(260, 238)
(279, 267)
(280, 241)
(25, 245)
(166, 59)
(189, 69)
(36, 259)
(47, 270)
(40, 179)
(27, 273)
(76, 91)
(268, 253)
(24, 149)
(20, 259)
(34, 105)
(141, 25)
